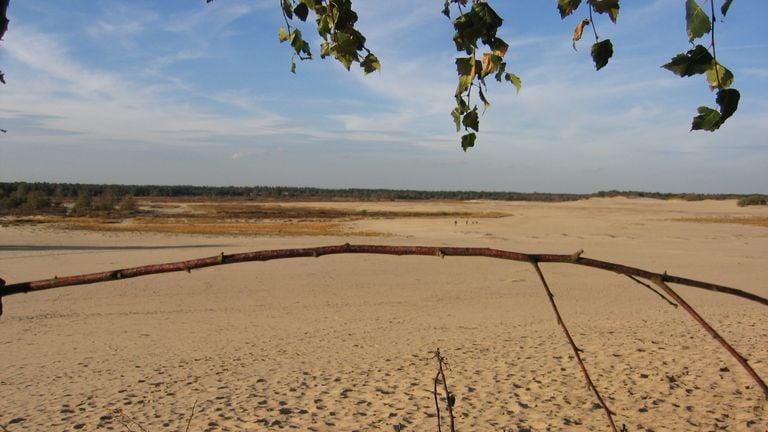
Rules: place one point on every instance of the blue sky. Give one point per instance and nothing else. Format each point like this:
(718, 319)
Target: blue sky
(180, 92)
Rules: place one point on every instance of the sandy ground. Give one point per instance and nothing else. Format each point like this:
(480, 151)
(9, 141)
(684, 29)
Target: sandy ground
(343, 342)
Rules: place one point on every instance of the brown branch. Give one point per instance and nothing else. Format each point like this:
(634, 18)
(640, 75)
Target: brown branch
(450, 399)
(189, 422)
(673, 304)
(739, 358)
(575, 349)
(126, 421)
(266, 255)
(437, 403)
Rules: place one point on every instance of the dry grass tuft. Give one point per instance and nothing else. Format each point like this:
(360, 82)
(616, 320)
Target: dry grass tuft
(238, 218)
(761, 221)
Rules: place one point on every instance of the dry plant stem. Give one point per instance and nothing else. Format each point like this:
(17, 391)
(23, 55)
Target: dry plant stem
(190, 416)
(739, 358)
(671, 303)
(449, 399)
(575, 349)
(127, 424)
(437, 403)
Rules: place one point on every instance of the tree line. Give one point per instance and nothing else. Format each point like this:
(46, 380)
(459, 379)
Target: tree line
(83, 199)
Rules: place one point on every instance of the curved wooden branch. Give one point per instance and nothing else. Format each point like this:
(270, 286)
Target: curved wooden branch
(266, 255)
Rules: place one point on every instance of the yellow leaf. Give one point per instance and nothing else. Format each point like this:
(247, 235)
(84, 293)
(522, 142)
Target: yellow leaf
(577, 33)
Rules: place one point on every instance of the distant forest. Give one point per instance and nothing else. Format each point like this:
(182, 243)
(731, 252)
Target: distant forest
(28, 198)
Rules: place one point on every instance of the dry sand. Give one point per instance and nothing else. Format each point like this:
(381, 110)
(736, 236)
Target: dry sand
(343, 342)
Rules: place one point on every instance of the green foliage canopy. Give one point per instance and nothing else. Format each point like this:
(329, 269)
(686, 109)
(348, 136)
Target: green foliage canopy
(481, 51)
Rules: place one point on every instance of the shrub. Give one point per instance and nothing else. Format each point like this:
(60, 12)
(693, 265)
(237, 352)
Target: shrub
(752, 200)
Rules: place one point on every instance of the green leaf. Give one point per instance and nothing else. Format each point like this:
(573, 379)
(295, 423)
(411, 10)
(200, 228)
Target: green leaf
(288, 9)
(296, 39)
(725, 7)
(282, 34)
(515, 80)
(471, 120)
(486, 103)
(293, 66)
(456, 115)
(499, 47)
(601, 52)
(566, 7)
(301, 11)
(461, 104)
(468, 140)
(728, 100)
(481, 22)
(500, 72)
(465, 67)
(707, 120)
(488, 17)
(695, 61)
(697, 21)
(611, 7)
(324, 26)
(370, 63)
(719, 77)
(711, 120)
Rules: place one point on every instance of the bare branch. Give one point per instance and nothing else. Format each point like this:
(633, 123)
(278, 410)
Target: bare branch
(190, 416)
(575, 349)
(437, 403)
(266, 255)
(739, 358)
(652, 289)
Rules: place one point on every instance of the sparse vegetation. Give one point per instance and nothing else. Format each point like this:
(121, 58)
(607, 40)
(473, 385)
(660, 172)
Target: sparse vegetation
(752, 200)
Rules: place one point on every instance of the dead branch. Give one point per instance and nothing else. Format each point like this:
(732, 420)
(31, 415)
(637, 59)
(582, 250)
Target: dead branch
(450, 398)
(575, 349)
(688, 308)
(190, 416)
(437, 403)
(267, 255)
(671, 303)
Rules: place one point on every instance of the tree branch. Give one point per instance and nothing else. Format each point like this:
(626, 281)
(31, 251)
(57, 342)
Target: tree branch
(266, 255)
(739, 358)
(575, 349)
(671, 303)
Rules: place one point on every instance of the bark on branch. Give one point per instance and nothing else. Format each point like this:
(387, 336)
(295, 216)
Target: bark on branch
(267, 255)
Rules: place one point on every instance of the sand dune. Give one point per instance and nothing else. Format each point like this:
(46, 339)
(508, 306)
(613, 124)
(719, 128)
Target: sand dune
(343, 342)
